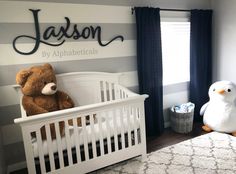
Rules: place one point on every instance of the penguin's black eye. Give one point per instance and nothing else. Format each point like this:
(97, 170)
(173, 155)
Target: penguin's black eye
(229, 90)
(214, 89)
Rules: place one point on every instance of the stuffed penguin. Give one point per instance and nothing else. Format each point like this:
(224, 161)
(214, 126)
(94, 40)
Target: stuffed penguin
(219, 114)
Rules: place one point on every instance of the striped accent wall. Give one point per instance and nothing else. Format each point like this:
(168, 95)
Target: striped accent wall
(73, 55)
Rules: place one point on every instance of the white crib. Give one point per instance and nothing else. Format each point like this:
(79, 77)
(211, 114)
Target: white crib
(116, 133)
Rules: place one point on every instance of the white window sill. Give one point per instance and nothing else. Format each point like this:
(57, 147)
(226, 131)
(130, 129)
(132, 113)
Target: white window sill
(174, 88)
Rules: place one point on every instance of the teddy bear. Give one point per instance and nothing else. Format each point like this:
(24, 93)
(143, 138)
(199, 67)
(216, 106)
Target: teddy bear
(40, 94)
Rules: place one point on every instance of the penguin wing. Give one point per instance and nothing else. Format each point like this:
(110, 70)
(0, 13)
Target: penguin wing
(203, 108)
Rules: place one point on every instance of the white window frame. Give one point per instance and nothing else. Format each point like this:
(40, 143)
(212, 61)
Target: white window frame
(171, 16)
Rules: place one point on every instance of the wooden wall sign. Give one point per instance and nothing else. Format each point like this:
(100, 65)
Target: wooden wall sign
(61, 34)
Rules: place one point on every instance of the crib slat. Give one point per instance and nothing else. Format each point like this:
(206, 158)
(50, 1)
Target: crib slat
(40, 150)
(114, 114)
(110, 91)
(77, 140)
(121, 96)
(140, 125)
(122, 128)
(85, 137)
(91, 120)
(113, 91)
(116, 90)
(49, 143)
(128, 112)
(108, 131)
(59, 147)
(99, 117)
(68, 142)
(123, 93)
(102, 91)
(135, 117)
(105, 91)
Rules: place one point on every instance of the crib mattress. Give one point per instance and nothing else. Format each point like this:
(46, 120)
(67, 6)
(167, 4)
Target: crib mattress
(121, 127)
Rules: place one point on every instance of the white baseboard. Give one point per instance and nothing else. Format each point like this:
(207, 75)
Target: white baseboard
(16, 166)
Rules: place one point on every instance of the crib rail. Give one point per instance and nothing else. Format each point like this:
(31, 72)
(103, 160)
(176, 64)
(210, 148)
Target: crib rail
(110, 127)
(86, 108)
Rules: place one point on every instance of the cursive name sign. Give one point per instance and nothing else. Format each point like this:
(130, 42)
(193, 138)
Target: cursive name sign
(61, 34)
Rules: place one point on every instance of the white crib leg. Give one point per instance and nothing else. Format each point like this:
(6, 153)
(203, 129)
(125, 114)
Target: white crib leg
(144, 156)
(143, 132)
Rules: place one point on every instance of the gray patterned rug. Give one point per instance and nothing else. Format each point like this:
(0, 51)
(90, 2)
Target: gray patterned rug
(213, 153)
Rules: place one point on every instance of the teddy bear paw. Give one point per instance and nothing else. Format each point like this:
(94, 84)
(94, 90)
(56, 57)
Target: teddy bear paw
(234, 134)
(67, 104)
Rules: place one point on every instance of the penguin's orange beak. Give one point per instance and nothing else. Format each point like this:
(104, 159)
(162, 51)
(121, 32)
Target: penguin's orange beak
(221, 91)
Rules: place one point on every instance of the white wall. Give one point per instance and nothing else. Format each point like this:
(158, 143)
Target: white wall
(224, 50)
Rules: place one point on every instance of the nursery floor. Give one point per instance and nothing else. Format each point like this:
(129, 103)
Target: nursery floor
(169, 137)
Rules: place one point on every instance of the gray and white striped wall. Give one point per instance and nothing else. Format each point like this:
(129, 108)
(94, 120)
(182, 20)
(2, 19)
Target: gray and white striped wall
(113, 16)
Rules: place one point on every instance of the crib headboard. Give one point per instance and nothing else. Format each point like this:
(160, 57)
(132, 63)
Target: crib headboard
(88, 87)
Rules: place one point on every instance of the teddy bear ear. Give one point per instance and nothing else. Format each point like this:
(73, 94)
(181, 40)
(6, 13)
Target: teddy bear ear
(49, 66)
(22, 76)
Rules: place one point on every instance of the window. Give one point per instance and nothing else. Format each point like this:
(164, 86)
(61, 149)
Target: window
(175, 51)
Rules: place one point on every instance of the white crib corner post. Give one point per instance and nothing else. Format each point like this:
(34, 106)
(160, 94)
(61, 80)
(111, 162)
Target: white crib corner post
(143, 132)
(28, 150)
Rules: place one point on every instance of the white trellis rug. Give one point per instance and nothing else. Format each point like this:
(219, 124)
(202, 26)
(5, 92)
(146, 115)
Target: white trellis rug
(213, 153)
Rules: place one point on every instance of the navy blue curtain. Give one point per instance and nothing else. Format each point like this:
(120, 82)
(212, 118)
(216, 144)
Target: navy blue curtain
(149, 60)
(200, 58)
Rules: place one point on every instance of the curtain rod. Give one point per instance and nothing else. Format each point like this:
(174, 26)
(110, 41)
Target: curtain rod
(168, 9)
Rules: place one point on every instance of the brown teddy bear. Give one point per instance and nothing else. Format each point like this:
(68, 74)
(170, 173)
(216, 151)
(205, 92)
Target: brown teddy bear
(40, 94)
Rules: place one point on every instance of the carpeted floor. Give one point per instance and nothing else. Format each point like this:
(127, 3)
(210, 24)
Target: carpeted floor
(213, 153)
